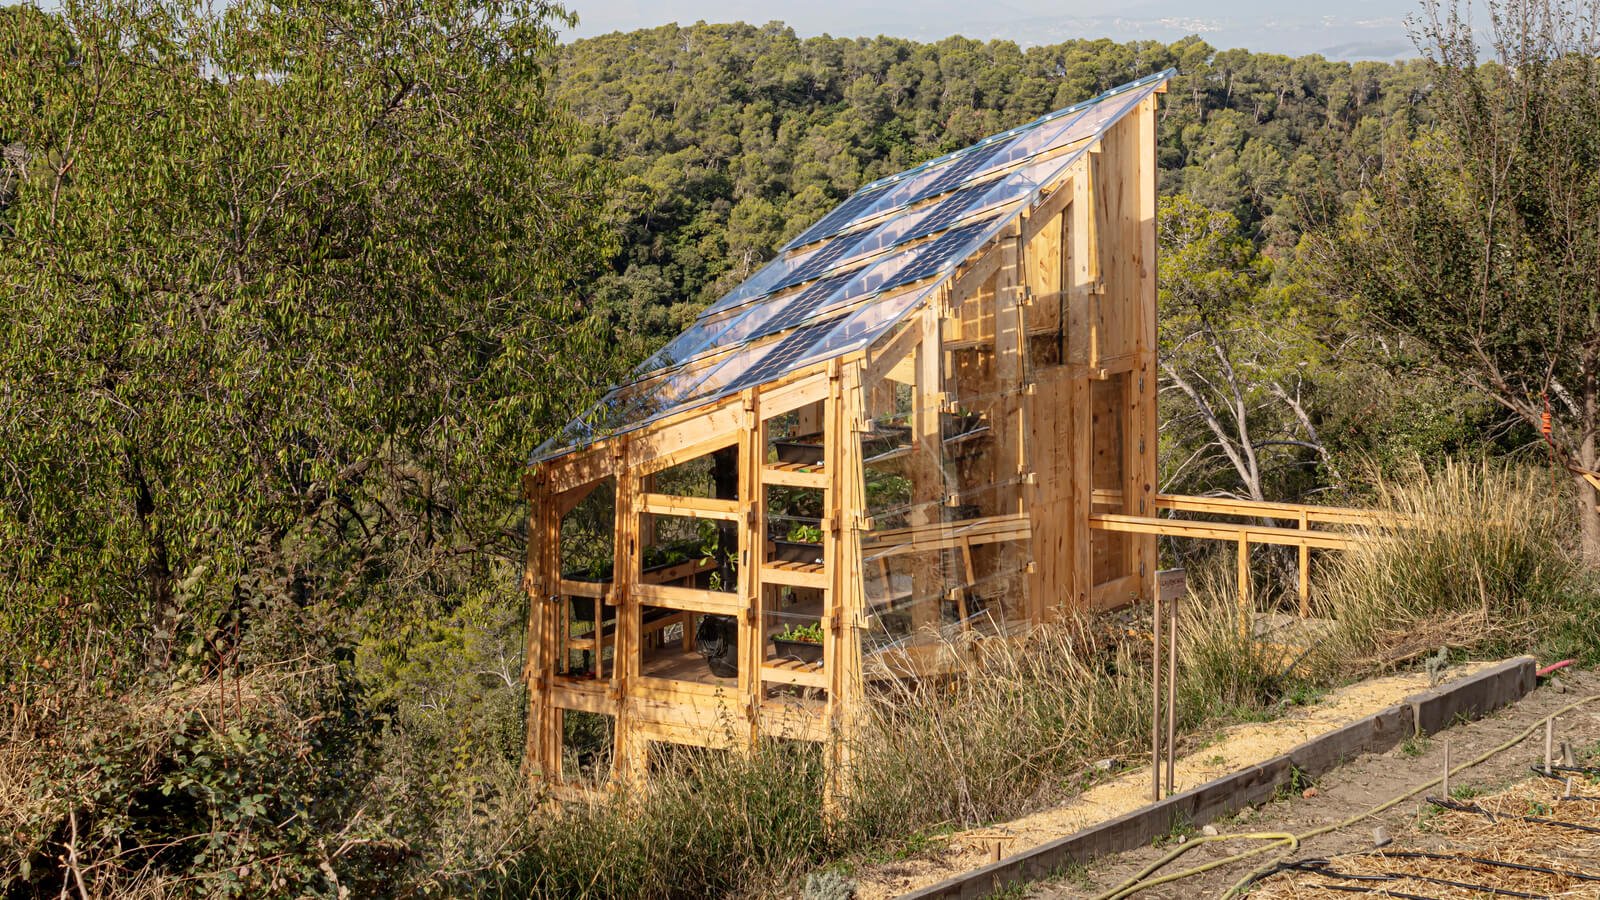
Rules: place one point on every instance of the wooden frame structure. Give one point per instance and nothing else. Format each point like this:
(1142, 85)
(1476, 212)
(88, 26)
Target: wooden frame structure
(963, 444)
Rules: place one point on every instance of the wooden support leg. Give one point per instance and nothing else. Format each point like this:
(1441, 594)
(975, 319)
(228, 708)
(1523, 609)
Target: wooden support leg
(1305, 569)
(1246, 606)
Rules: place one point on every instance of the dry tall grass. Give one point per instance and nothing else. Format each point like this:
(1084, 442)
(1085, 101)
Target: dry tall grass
(1016, 727)
(1488, 569)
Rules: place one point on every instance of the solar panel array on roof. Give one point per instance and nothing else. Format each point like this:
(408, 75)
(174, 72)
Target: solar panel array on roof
(858, 281)
(806, 303)
(840, 217)
(819, 261)
(938, 254)
(785, 351)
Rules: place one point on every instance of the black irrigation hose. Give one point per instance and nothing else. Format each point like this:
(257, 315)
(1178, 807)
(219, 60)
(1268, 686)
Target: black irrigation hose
(1448, 857)
(1322, 867)
(1537, 820)
(1357, 889)
(1560, 773)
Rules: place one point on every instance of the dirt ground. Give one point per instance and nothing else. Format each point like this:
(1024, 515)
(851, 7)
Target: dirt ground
(1360, 785)
(1205, 759)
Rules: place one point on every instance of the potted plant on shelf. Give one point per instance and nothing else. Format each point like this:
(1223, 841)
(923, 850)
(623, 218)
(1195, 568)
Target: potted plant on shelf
(804, 449)
(802, 544)
(801, 642)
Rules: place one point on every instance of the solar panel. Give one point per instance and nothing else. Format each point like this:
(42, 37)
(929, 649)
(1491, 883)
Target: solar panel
(805, 303)
(957, 172)
(784, 352)
(948, 211)
(792, 292)
(820, 261)
(934, 256)
(841, 216)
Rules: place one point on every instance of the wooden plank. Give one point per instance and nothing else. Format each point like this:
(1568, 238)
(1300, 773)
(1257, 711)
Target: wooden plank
(883, 359)
(1117, 592)
(595, 589)
(812, 677)
(577, 469)
(1222, 531)
(1329, 515)
(1044, 214)
(818, 479)
(781, 398)
(690, 507)
(820, 579)
(586, 695)
(977, 271)
(720, 603)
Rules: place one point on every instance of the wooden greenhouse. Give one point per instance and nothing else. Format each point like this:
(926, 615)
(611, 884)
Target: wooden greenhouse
(893, 435)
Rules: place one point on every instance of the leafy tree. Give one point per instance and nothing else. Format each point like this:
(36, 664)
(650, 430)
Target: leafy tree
(1480, 240)
(1240, 362)
(277, 281)
(287, 294)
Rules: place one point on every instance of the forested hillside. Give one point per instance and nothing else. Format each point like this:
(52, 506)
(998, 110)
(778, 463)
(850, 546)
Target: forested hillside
(727, 140)
(290, 292)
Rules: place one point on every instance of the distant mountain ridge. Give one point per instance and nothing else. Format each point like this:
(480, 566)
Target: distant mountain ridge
(1361, 30)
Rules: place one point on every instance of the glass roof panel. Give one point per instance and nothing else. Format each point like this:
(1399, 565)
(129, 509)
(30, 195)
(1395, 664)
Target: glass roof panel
(865, 324)
(822, 302)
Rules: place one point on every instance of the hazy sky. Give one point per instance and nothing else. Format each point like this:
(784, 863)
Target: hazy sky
(1350, 29)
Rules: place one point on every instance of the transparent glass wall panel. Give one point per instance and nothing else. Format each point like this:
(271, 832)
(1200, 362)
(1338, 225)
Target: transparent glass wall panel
(680, 645)
(908, 567)
(1107, 397)
(794, 526)
(681, 551)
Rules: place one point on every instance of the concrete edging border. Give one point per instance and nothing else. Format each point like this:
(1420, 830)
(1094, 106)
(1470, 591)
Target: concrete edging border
(1425, 713)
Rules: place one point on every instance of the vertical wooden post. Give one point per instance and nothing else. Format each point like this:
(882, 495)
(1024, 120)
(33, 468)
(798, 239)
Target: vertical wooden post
(752, 548)
(1305, 568)
(1086, 253)
(928, 486)
(1246, 603)
(629, 760)
(1142, 433)
(542, 761)
(1010, 420)
(842, 561)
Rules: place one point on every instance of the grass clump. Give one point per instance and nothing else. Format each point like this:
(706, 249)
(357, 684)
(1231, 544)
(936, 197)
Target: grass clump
(1483, 566)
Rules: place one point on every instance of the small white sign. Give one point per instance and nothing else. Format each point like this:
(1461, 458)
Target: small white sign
(1172, 583)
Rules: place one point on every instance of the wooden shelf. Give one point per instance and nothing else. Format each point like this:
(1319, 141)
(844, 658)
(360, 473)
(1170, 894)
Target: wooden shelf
(793, 671)
(793, 574)
(799, 475)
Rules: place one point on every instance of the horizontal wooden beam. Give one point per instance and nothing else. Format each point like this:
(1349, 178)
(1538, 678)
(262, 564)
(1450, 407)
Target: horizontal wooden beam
(691, 507)
(1225, 531)
(595, 589)
(785, 675)
(817, 479)
(720, 603)
(794, 578)
(1227, 506)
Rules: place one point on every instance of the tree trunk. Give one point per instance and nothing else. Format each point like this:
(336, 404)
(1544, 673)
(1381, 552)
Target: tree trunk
(157, 574)
(1588, 520)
